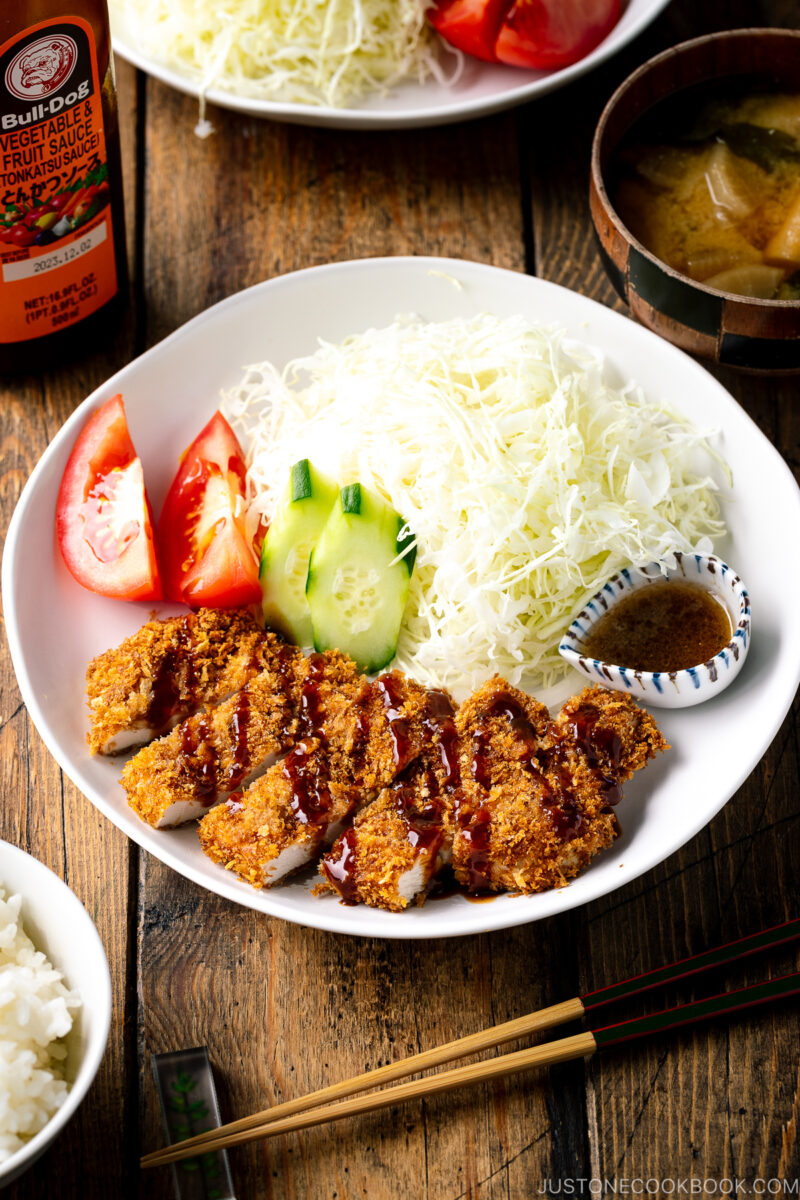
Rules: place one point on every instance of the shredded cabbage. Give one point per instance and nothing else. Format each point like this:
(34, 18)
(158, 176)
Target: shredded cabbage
(525, 477)
(321, 52)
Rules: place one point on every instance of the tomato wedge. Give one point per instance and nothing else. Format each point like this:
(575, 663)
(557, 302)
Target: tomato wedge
(103, 518)
(206, 554)
(471, 25)
(540, 34)
(554, 33)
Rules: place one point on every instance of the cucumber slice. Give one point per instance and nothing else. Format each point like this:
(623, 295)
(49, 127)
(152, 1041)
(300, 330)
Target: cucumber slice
(355, 589)
(293, 532)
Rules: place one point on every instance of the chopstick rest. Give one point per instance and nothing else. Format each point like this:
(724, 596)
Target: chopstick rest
(189, 1108)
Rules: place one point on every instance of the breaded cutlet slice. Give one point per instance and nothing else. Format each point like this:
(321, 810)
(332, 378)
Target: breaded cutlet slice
(165, 671)
(288, 816)
(210, 755)
(396, 845)
(538, 794)
(263, 833)
(607, 730)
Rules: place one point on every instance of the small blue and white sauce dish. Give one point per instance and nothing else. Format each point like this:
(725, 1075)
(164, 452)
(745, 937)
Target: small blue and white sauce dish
(672, 636)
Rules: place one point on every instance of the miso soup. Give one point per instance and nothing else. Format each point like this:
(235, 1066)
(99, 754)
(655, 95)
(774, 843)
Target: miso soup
(710, 184)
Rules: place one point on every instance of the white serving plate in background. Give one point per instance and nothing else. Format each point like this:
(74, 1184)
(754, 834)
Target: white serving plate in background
(482, 88)
(54, 626)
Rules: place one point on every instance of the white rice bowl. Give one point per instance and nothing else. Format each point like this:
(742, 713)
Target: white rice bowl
(38, 1088)
(35, 1016)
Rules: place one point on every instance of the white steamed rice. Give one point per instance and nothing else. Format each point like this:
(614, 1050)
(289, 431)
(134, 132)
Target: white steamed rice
(35, 1015)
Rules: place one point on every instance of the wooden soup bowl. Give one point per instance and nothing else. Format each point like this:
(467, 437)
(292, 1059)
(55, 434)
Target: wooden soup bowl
(737, 331)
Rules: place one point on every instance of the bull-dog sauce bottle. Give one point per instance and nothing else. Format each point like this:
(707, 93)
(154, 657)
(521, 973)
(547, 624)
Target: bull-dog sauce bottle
(63, 270)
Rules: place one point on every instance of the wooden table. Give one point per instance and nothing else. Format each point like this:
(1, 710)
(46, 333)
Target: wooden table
(284, 1009)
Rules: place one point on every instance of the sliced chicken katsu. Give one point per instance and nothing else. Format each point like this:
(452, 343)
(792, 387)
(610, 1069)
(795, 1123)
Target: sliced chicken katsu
(213, 754)
(168, 670)
(536, 804)
(390, 854)
(342, 758)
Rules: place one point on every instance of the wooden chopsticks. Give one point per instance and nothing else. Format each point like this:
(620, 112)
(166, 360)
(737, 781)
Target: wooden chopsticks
(329, 1104)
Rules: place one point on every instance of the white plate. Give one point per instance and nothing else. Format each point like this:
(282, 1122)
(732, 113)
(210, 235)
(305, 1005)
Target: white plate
(483, 88)
(55, 627)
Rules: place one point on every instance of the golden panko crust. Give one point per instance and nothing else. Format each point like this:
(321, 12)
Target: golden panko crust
(406, 829)
(361, 750)
(382, 852)
(516, 799)
(194, 660)
(544, 810)
(251, 830)
(201, 757)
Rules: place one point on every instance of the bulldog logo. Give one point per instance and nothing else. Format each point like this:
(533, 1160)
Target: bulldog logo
(42, 67)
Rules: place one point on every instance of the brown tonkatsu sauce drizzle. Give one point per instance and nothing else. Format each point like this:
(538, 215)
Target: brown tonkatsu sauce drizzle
(479, 767)
(445, 886)
(476, 830)
(311, 714)
(547, 760)
(240, 723)
(166, 700)
(665, 626)
(602, 748)
(391, 690)
(341, 870)
(283, 660)
(476, 826)
(440, 724)
(424, 823)
(501, 706)
(305, 766)
(197, 754)
(198, 757)
(235, 803)
(424, 828)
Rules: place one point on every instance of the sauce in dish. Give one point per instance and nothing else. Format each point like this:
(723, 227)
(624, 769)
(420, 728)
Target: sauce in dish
(667, 626)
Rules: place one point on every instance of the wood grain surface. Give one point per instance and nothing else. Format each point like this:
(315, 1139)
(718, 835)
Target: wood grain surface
(283, 1009)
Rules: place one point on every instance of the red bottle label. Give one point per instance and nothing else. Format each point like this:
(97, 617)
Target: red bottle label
(57, 262)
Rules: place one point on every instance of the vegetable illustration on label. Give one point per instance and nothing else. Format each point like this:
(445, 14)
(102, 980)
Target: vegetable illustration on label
(58, 255)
